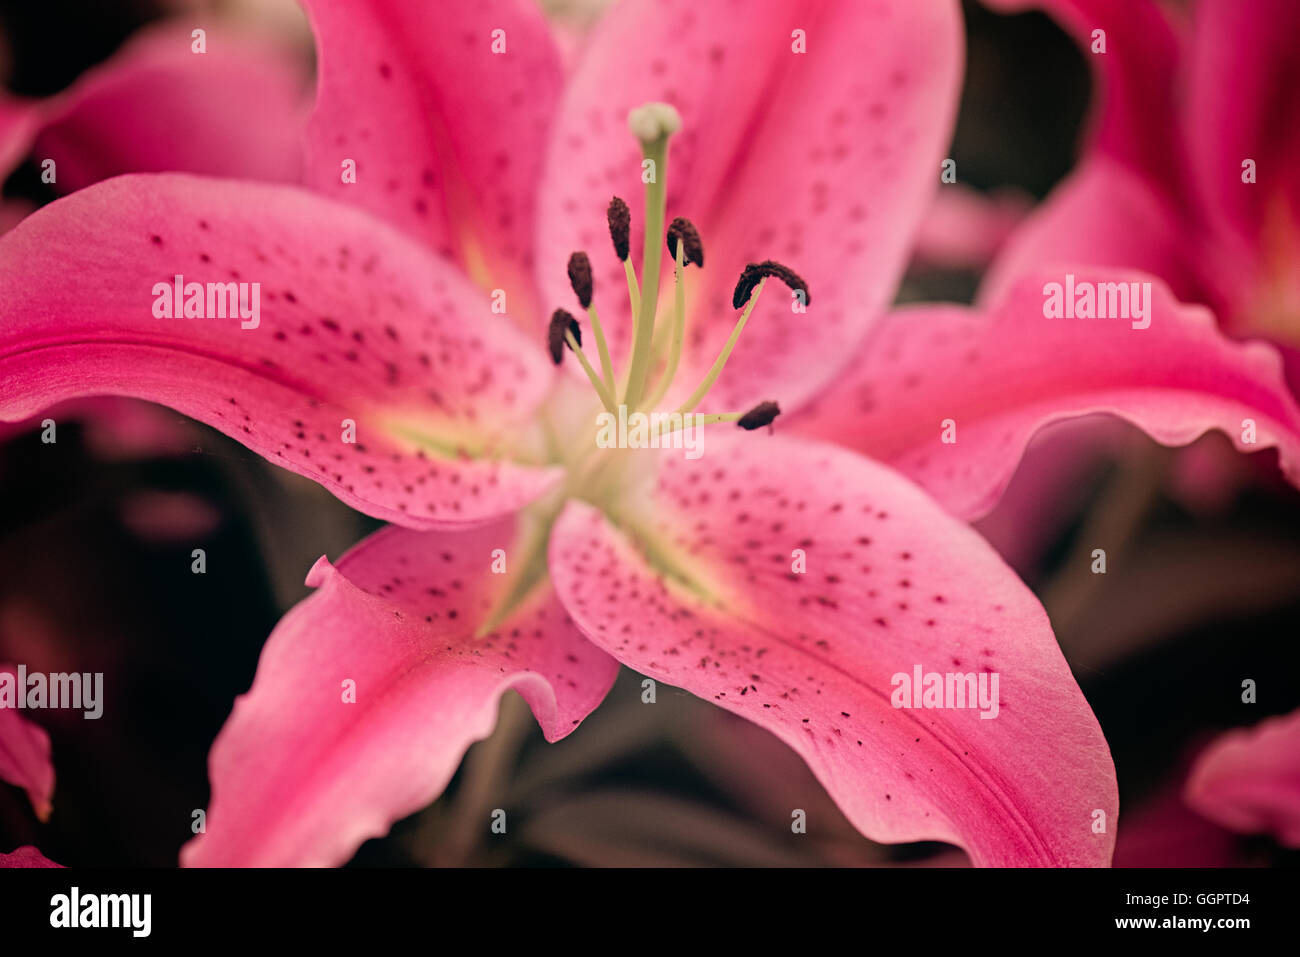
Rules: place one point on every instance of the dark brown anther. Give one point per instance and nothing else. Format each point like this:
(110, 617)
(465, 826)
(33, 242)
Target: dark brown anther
(754, 272)
(693, 250)
(620, 226)
(759, 416)
(561, 323)
(580, 278)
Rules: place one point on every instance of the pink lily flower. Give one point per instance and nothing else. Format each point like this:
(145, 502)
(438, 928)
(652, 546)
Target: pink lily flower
(378, 323)
(1249, 780)
(1188, 169)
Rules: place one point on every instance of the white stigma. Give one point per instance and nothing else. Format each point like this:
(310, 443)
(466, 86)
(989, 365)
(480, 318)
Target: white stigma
(654, 121)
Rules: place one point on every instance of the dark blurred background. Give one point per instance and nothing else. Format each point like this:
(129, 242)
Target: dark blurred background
(97, 531)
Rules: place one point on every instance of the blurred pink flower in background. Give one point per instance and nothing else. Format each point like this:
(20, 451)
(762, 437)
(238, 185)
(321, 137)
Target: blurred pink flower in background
(25, 754)
(1249, 780)
(235, 110)
(1188, 171)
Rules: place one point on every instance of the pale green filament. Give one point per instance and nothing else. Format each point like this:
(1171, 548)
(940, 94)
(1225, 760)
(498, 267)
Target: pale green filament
(703, 389)
(633, 291)
(656, 151)
(679, 328)
(692, 420)
(599, 386)
(606, 365)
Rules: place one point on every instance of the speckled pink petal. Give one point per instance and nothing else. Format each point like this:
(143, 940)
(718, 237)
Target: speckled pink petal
(25, 756)
(889, 583)
(237, 110)
(446, 135)
(26, 856)
(824, 160)
(357, 324)
(1249, 780)
(300, 777)
(1001, 374)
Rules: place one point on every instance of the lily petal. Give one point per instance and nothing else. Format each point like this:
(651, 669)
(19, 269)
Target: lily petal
(824, 160)
(1249, 780)
(891, 583)
(446, 133)
(302, 777)
(356, 324)
(1241, 83)
(237, 110)
(25, 756)
(1001, 375)
(1102, 215)
(1124, 205)
(1243, 141)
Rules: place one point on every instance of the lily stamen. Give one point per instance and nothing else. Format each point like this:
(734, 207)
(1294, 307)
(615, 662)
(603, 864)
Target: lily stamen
(760, 415)
(754, 273)
(581, 281)
(625, 394)
(748, 288)
(564, 330)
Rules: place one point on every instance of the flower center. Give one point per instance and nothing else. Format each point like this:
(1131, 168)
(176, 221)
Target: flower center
(608, 475)
(655, 356)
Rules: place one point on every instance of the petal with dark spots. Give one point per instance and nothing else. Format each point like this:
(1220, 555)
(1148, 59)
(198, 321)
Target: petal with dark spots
(802, 579)
(356, 323)
(824, 160)
(998, 375)
(447, 135)
(301, 777)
